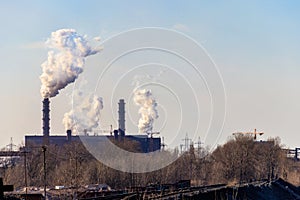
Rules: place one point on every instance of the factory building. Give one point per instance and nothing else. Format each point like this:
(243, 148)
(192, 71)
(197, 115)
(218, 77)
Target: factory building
(146, 143)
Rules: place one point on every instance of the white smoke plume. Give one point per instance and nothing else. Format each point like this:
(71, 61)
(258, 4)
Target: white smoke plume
(148, 111)
(85, 115)
(66, 59)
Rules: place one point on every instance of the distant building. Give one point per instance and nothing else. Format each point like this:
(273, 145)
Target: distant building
(146, 143)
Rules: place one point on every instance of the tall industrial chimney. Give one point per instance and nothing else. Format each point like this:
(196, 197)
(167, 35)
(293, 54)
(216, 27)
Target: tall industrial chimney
(46, 120)
(69, 135)
(122, 117)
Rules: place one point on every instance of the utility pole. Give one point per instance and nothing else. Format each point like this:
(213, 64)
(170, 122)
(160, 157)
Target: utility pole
(25, 173)
(192, 159)
(199, 143)
(77, 159)
(187, 141)
(181, 145)
(25, 151)
(45, 172)
(10, 148)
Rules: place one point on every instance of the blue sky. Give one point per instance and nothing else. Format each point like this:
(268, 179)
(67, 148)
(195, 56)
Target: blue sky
(254, 43)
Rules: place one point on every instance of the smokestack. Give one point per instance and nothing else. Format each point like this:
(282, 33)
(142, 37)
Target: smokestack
(46, 120)
(122, 117)
(69, 135)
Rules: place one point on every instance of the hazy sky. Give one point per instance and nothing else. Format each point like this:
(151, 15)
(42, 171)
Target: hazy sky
(254, 43)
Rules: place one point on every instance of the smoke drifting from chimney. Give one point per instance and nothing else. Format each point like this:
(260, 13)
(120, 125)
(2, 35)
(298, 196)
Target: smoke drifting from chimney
(66, 59)
(85, 115)
(148, 111)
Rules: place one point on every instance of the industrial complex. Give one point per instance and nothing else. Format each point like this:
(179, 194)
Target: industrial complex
(147, 143)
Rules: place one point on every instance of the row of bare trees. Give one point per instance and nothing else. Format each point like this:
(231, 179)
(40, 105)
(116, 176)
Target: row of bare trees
(239, 160)
(243, 160)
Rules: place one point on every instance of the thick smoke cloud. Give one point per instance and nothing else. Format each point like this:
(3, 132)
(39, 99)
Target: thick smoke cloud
(85, 115)
(148, 111)
(66, 59)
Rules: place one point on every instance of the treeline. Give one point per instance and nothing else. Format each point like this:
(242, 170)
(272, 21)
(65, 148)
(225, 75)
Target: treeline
(239, 160)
